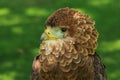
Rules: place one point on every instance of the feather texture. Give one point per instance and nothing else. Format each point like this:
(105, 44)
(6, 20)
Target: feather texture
(73, 57)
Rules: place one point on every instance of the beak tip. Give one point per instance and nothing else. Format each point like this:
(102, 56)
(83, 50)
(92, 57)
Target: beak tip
(41, 38)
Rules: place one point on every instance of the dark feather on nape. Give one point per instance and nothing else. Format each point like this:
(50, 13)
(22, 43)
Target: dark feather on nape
(99, 68)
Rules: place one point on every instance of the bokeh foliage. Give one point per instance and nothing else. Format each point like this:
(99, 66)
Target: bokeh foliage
(23, 21)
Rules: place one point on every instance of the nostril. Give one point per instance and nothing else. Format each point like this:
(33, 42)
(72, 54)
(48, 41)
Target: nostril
(48, 32)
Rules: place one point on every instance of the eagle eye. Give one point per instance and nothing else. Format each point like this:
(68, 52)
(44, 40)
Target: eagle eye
(63, 29)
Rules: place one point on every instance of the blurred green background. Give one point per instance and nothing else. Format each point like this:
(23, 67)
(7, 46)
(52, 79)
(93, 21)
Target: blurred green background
(23, 21)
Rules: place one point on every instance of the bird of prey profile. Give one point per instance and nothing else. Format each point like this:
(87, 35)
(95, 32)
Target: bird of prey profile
(67, 50)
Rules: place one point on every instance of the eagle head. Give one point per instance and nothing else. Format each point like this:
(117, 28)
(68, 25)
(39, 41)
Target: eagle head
(67, 22)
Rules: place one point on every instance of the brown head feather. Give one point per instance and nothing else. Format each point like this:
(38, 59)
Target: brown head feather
(81, 28)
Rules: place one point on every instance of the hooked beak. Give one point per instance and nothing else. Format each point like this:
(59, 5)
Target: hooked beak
(43, 36)
(48, 35)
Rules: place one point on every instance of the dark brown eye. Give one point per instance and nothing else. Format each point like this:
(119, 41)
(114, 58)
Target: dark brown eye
(63, 29)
